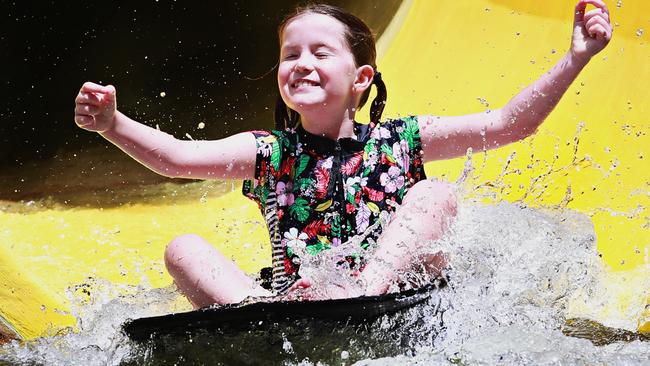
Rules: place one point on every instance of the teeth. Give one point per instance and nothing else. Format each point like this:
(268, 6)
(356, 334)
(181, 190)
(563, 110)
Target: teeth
(305, 83)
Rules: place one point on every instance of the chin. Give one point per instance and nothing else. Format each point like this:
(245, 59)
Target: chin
(306, 105)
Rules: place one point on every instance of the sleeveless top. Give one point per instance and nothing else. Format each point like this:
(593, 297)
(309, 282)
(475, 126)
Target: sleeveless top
(316, 193)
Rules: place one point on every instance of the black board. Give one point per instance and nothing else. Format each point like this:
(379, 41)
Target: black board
(245, 316)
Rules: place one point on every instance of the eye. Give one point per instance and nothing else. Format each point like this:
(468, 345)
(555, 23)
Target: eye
(322, 54)
(290, 56)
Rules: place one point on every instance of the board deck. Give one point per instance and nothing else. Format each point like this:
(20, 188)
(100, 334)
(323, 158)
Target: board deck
(244, 316)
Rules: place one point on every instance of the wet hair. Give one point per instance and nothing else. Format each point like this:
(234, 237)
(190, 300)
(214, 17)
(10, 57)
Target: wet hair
(361, 43)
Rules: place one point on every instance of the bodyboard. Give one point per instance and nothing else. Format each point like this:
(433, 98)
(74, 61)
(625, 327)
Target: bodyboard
(244, 316)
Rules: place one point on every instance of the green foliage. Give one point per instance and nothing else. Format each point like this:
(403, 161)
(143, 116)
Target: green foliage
(302, 164)
(300, 209)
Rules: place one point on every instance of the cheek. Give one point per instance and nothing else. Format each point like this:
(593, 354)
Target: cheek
(283, 72)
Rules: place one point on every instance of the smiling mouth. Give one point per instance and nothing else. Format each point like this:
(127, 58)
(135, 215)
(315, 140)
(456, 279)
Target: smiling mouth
(304, 83)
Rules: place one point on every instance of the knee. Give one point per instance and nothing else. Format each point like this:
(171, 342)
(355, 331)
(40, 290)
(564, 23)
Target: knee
(433, 195)
(179, 249)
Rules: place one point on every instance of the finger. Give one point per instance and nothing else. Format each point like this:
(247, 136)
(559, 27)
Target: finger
(87, 109)
(93, 88)
(582, 5)
(596, 25)
(83, 120)
(595, 13)
(598, 32)
(89, 98)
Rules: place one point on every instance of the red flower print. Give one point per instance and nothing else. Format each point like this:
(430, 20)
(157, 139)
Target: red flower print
(352, 165)
(322, 182)
(373, 194)
(287, 165)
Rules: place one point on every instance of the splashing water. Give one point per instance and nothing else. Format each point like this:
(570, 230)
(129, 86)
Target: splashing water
(514, 273)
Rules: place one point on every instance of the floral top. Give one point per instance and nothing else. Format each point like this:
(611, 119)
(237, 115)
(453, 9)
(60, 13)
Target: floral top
(317, 193)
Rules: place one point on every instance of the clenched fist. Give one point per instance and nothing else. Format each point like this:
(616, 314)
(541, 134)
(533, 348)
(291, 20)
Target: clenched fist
(95, 107)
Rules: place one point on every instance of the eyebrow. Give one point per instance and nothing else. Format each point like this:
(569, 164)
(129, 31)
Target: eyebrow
(318, 45)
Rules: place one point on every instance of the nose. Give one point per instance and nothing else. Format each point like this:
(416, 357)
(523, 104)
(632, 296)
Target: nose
(304, 63)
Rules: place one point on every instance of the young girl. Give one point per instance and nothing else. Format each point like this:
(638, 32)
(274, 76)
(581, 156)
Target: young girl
(321, 178)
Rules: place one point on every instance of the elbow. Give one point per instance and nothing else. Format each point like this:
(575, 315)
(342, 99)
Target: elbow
(518, 126)
(165, 161)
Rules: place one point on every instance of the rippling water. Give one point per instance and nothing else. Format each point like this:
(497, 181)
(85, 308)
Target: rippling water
(517, 275)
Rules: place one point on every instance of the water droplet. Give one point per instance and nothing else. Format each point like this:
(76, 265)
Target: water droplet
(201, 125)
(619, 4)
(639, 32)
(163, 94)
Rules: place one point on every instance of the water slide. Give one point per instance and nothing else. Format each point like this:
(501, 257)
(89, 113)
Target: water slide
(437, 57)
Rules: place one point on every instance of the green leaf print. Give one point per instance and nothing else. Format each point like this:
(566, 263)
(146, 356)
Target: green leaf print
(300, 209)
(302, 184)
(401, 191)
(388, 151)
(262, 192)
(370, 146)
(411, 131)
(336, 226)
(317, 248)
(349, 197)
(302, 164)
(275, 156)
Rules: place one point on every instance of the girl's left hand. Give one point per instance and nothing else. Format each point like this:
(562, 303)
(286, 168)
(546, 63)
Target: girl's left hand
(303, 290)
(592, 30)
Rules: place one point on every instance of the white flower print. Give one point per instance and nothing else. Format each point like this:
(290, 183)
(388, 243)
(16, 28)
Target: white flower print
(380, 133)
(348, 186)
(401, 155)
(393, 180)
(373, 159)
(265, 148)
(364, 181)
(294, 240)
(325, 163)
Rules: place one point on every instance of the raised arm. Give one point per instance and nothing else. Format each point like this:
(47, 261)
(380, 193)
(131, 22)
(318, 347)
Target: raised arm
(448, 137)
(229, 158)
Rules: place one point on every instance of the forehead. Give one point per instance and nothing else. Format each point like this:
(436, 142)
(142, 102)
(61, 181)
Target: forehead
(314, 28)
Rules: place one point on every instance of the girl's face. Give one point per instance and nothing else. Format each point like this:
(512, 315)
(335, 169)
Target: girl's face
(316, 67)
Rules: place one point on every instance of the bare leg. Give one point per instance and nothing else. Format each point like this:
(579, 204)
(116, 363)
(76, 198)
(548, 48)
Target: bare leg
(205, 276)
(424, 215)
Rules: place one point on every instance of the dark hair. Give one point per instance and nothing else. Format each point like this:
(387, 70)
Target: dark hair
(361, 43)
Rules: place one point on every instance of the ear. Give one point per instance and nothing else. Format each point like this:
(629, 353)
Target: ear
(363, 79)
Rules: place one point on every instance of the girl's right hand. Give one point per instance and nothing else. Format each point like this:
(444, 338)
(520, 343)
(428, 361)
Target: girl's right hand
(95, 107)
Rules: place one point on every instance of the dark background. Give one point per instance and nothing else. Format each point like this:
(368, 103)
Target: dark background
(215, 62)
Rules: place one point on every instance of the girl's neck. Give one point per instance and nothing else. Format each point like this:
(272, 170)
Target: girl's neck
(331, 125)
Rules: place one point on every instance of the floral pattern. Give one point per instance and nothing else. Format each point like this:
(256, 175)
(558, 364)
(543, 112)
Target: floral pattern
(328, 191)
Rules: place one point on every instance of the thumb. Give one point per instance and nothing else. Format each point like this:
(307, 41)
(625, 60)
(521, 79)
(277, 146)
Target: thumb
(111, 91)
(110, 95)
(579, 13)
